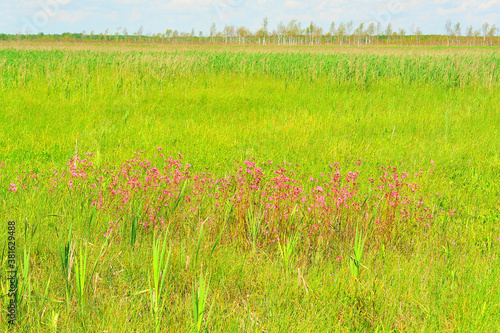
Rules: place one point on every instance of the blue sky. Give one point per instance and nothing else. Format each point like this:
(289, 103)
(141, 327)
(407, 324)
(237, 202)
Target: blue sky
(57, 16)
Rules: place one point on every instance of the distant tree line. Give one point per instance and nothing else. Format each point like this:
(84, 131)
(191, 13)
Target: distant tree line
(292, 33)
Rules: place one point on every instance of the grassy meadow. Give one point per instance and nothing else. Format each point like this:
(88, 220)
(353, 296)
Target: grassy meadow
(251, 189)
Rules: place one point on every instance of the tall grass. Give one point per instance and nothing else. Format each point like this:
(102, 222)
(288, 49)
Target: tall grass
(298, 171)
(65, 71)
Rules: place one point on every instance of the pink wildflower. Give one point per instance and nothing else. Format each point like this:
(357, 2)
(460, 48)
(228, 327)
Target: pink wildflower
(13, 187)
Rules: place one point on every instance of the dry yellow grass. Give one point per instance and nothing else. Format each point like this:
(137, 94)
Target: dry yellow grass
(322, 49)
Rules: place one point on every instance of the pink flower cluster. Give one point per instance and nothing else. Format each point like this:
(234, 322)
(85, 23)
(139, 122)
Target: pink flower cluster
(163, 191)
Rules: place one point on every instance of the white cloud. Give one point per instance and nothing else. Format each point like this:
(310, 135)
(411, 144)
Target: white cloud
(292, 4)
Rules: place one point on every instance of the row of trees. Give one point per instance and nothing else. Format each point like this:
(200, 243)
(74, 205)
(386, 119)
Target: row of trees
(487, 32)
(292, 33)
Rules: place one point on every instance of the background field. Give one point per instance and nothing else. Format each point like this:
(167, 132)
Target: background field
(427, 111)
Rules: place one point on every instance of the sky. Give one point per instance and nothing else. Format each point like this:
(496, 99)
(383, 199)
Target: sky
(156, 16)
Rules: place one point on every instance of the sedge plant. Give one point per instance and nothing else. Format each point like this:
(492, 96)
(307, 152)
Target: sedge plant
(157, 278)
(356, 258)
(81, 274)
(66, 260)
(200, 298)
(24, 283)
(288, 249)
(254, 221)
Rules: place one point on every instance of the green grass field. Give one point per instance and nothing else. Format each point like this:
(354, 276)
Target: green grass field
(310, 189)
